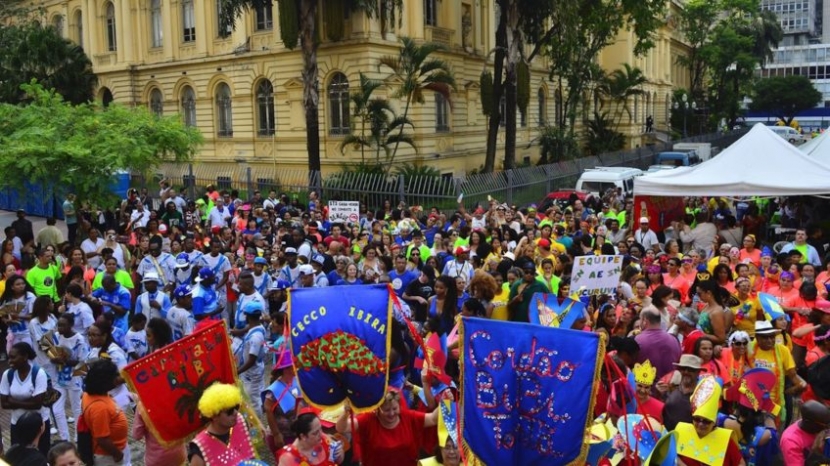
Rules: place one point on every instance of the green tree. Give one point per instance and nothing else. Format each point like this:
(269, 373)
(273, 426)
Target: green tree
(601, 136)
(696, 21)
(620, 86)
(380, 128)
(784, 96)
(29, 51)
(54, 143)
(418, 73)
(307, 18)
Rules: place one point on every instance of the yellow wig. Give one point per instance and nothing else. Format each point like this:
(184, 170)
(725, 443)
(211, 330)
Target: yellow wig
(218, 397)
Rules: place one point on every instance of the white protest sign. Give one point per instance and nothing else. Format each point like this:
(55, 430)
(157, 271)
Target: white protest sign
(596, 274)
(344, 211)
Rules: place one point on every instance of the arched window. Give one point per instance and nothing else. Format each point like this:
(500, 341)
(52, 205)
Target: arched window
(112, 44)
(106, 97)
(265, 108)
(442, 114)
(543, 111)
(156, 103)
(155, 23)
(79, 28)
(224, 111)
(339, 104)
(188, 21)
(189, 106)
(57, 24)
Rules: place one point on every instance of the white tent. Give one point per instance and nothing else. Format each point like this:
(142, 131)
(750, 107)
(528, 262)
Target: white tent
(759, 164)
(818, 147)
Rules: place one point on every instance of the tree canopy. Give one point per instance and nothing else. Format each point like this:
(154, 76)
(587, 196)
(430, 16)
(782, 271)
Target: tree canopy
(81, 147)
(784, 96)
(29, 51)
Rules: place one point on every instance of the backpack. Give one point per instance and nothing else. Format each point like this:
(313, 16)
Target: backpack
(50, 397)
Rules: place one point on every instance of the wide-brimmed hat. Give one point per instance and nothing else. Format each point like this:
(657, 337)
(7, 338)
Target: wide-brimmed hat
(689, 361)
(764, 327)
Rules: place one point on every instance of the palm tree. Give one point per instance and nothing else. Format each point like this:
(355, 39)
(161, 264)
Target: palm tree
(623, 84)
(307, 19)
(378, 114)
(417, 72)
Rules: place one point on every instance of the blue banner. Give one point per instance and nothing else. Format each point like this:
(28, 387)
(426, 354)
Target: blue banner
(340, 339)
(545, 310)
(527, 392)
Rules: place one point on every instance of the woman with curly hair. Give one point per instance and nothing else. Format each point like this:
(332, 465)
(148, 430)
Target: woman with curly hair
(484, 288)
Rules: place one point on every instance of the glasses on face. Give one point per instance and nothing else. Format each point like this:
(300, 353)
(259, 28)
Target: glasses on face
(232, 410)
(687, 369)
(702, 421)
(740, 343)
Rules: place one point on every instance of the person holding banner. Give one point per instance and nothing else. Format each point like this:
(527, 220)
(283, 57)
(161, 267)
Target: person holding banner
(392, 434)
(225, 441)
(280, 401)
(311, 446)
(521, 293)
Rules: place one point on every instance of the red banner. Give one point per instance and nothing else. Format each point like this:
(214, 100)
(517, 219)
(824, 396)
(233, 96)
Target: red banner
(170, 381)
(660, 210)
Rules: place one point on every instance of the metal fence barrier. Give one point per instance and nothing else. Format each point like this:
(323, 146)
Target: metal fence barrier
(519, 186)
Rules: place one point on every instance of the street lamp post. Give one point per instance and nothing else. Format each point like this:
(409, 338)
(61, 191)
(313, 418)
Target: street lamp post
(685, 105)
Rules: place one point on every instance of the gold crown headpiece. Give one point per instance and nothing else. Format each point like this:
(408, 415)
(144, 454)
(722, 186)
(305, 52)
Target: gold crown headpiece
(645, 373)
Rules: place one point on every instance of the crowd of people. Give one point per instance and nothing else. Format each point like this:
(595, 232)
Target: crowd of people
(688, 318)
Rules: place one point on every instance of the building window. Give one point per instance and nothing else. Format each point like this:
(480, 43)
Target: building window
(264, 17)
(265, 108)
(225, 31)
(557, 110)
(224, 111)
(189, 106)
(522, 117)
(112, 44)
(188, 21)
(339, 105)
(155, 23)
(442, 114)
(543, 110)
(430, 13)
(106, 97)
(57, 24)
(156, 103)
(79, 28)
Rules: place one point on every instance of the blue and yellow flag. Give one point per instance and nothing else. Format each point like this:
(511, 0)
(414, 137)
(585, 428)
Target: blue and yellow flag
(340, 339)
(527, 392)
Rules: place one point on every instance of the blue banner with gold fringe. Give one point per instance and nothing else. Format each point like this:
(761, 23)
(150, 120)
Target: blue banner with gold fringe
(340, 339)
(527, 392)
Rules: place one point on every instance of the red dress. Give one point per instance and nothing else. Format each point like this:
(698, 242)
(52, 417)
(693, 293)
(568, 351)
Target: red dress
(293, 452)
(380, 446)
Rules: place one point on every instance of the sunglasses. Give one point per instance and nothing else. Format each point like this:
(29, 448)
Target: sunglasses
(232, 410)
(700, 420)
(740, 343)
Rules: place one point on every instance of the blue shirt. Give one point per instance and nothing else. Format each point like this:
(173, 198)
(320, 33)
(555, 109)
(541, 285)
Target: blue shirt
(159, 297)
(400, 281)
(119, 296)
(205, 300)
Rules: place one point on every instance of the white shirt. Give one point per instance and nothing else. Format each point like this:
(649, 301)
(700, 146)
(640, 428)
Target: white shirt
(89, 246)
(138, 341)
(647, 239)
(38, 329)
(83, 316)
(219, 218)
(23, 389)
(139, 218)
(181, 321)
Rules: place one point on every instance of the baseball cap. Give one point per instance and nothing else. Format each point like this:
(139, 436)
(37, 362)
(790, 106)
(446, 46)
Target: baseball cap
(206, 273)
(162, 228)
(544, 243)
(461, 250)
(643, 219)
(318, 259)
(280, 285)
(306, 269)
(182, 260)
(151, 277)
(182, 290)
(290, 250)
(252, 308)
(260, 260)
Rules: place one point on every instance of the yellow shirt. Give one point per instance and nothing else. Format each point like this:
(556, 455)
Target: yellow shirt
(766, 359)
(500, 305)
(749, 310)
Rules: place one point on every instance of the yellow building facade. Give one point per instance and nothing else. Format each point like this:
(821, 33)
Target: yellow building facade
(242, 88)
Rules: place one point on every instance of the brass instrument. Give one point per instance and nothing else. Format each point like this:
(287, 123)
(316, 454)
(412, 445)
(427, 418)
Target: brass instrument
(11, 310)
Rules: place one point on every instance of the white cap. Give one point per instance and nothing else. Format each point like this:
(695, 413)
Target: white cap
(643, 219)
(151, 277)
(290, 251)
(306, 269)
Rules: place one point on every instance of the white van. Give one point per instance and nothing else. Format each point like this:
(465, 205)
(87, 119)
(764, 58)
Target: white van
(790, 134)
(600, 179)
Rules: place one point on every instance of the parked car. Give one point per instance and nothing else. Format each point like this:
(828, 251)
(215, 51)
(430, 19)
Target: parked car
(677, 158)
(599, 180)
(561, 196)
(790, 134)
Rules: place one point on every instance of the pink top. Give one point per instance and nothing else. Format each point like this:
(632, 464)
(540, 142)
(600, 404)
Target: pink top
(154, 452)
(796, 444)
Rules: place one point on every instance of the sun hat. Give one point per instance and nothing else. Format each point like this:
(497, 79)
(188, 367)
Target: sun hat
(764, 327)
(689, 361)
